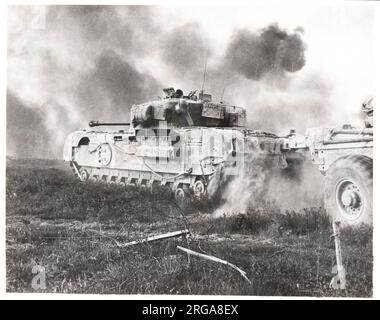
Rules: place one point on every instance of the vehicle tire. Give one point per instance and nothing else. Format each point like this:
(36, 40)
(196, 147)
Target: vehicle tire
(348, 190)
(199, 188)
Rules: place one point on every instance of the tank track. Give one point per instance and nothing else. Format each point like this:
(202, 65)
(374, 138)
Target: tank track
(142, 179)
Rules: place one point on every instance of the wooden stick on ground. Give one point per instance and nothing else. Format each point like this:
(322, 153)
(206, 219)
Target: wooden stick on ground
(215, 259)
(154, 238)
(339, 281)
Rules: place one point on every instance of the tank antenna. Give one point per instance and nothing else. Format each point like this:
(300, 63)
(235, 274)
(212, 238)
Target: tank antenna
(204, 74)
(224, 89)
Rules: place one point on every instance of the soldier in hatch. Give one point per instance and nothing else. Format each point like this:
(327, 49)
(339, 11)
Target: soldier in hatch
(178, 94)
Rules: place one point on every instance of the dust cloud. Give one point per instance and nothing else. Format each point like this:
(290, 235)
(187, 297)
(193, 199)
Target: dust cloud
(265, 187)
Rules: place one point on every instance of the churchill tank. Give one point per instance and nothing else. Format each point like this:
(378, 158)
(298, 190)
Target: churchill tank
(177, 141)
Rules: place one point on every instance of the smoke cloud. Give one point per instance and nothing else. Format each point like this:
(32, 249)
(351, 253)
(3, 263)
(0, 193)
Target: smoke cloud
(260, 70)
(186, 49)
(26, 132)
(109, 89)
(80, 65)
(270, 51)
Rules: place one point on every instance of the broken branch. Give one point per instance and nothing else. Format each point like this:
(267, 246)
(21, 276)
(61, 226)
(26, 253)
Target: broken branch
(215, 259)
(154, 238)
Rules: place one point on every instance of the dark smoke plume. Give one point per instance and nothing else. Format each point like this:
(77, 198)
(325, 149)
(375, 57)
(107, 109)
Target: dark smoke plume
(82, 66)
(272, 50)
(112, 86)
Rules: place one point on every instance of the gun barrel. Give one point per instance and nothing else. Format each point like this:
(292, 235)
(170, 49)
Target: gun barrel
(364, 131)
(98, 123)
(349, 140)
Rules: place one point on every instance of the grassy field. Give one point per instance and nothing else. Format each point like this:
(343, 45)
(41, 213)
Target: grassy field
(69, 228)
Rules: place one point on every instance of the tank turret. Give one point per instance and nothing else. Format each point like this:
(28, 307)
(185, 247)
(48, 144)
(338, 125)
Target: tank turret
(179, 110)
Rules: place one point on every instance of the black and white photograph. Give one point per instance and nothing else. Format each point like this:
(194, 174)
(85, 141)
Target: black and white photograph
(190, 149)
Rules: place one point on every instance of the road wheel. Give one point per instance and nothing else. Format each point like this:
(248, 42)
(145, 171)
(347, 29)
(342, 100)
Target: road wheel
(179, 193)
(122, 183)
(348, 190)
(199, 188)
(83, 174)
(93, 179)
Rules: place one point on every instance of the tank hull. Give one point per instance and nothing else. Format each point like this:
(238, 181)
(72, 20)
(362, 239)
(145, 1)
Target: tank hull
(180, 158)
